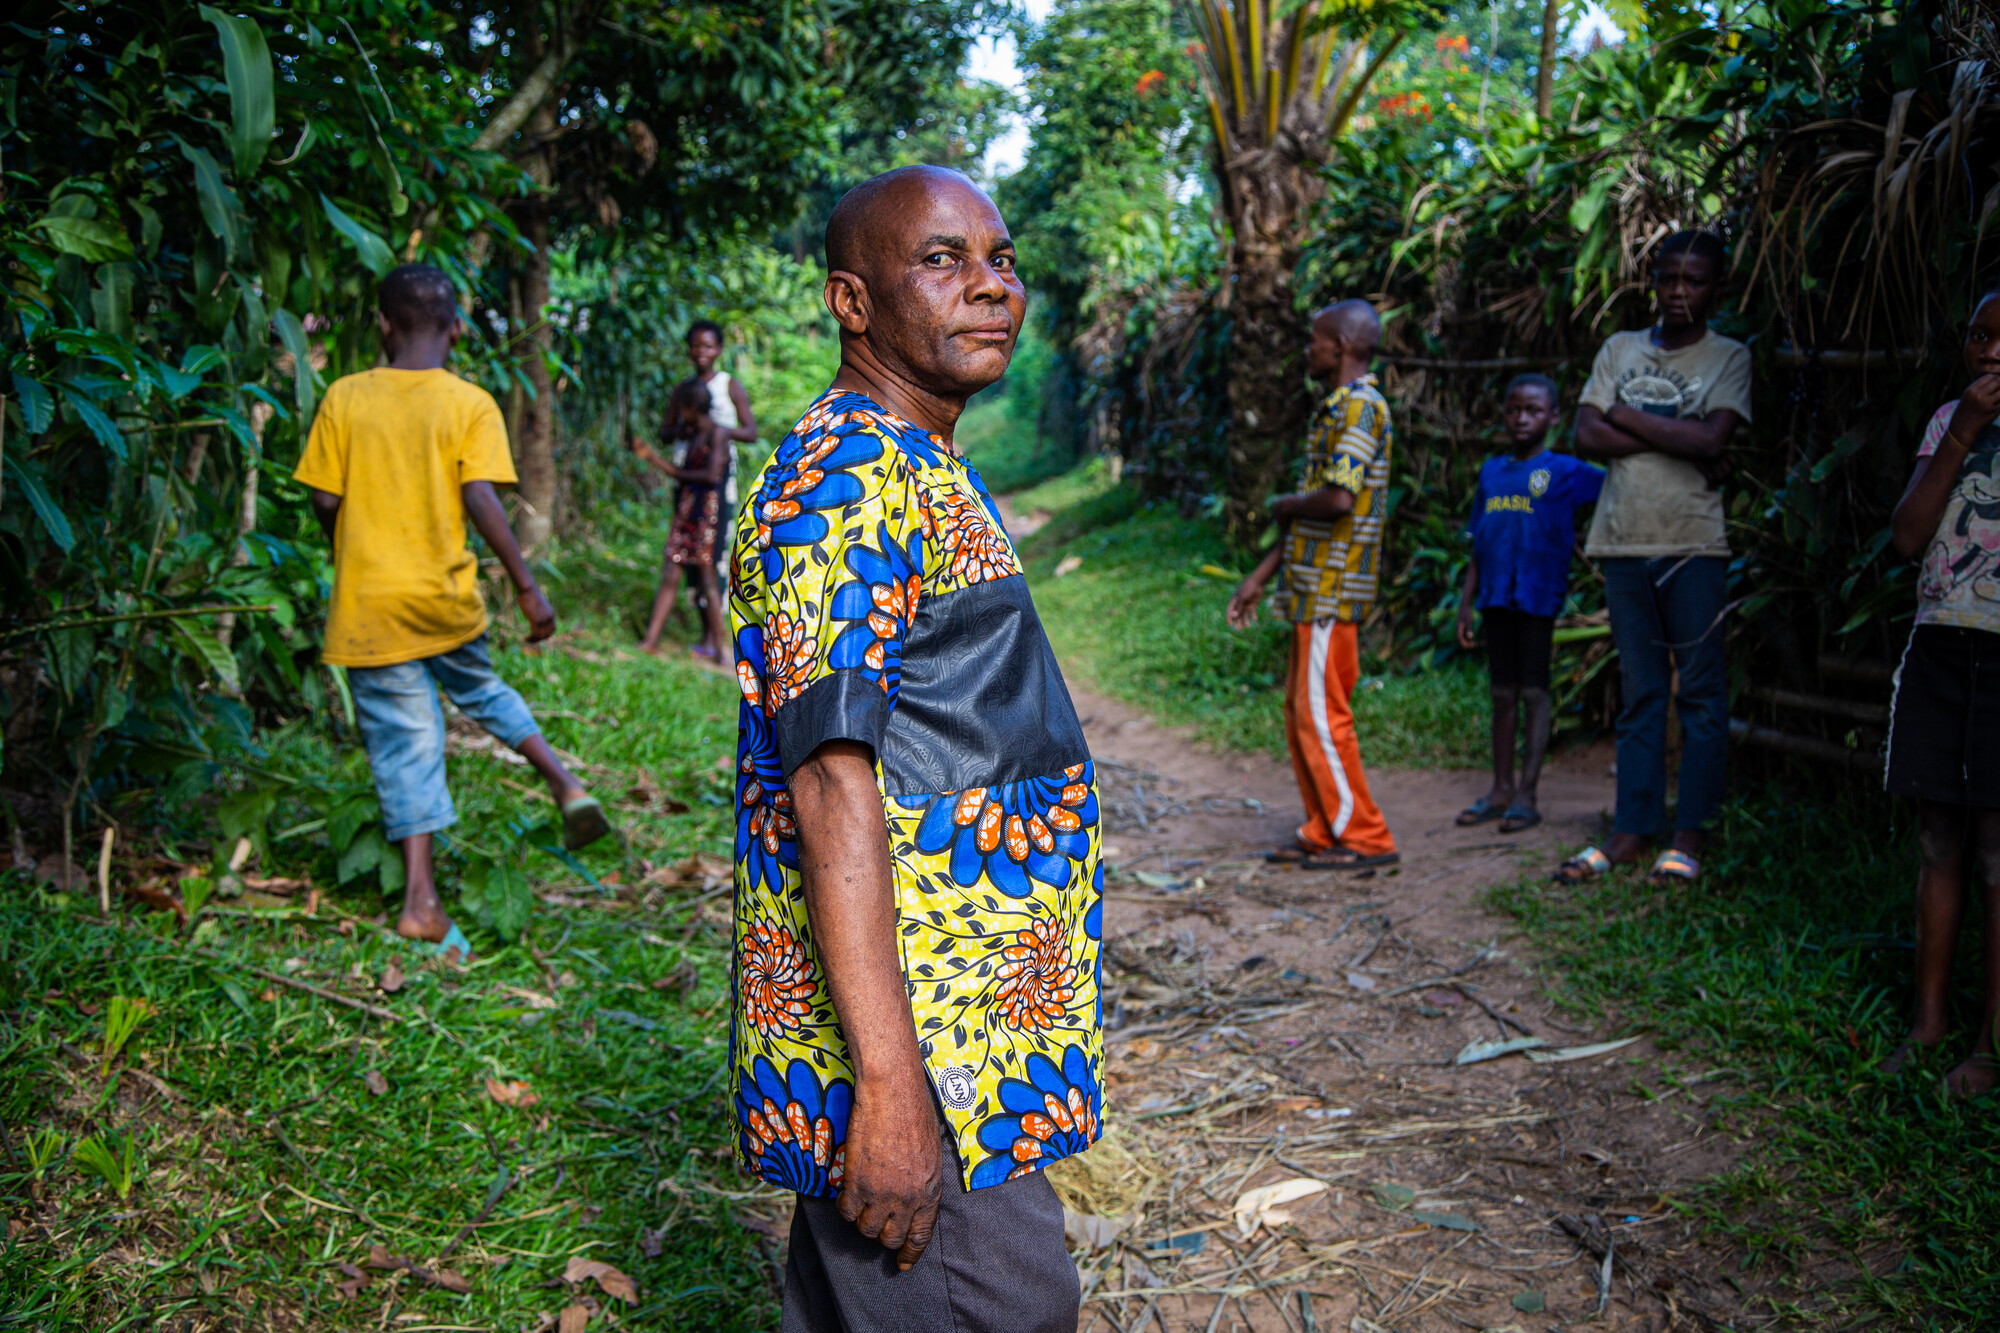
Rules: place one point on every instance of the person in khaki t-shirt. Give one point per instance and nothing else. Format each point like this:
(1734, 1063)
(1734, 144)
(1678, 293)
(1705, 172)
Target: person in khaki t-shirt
(1659, 409)
(399, 458)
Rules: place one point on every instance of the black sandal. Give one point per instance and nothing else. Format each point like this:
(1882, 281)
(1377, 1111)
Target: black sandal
(1520, 818)
(1481, 811)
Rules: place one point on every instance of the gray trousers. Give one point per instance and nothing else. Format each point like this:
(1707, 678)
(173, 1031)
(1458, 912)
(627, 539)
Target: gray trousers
(997, 1261)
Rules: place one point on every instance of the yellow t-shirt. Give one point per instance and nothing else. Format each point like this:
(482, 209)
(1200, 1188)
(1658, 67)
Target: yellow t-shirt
(396, 445)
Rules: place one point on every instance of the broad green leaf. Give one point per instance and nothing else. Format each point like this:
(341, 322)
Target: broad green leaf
(111, 300)
(247, 813)
(219, 208)
(1591, 202)
(90, 239)
(178, 383)
(38, 405)
(201, 644)
(293, 335)
(149, 227)
(246, 62)
(200, 359)
(374, 251)
(70, 654)
(53, 520)
(100, 423)
(497, 895)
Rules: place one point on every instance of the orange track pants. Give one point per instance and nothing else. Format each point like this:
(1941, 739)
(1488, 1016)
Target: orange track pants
(1319, 729)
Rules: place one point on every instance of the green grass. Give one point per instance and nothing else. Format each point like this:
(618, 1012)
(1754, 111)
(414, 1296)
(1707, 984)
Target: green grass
(1790, 962)
(1140, 619)
(1007, 455)
(278, 1164)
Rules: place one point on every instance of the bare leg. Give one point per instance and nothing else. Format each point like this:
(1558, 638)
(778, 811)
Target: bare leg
(1534, 746)
(663, 606)
(1980, 1073)
(718, 628)
(563, 785)
(1940, 908)
(1506, 722)
(423, 916)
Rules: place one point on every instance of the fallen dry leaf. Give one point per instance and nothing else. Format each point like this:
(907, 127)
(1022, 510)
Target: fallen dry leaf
(275, 884)
(356, 1280)
(375, 1083)
(572, 1319)
(534, 999)
(511, 1093)
(610, 1280)
(682, 978)
(392, 978)
(1259, 1207)
(1069, 564)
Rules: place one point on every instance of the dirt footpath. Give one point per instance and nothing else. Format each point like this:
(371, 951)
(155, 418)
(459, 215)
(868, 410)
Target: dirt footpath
(1268, 1025)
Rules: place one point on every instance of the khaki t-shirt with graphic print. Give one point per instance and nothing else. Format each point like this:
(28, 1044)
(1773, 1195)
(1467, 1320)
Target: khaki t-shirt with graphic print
(1653, 504)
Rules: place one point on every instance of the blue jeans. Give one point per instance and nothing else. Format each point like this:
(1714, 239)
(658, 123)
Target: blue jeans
(402, 724)
(1668, 613)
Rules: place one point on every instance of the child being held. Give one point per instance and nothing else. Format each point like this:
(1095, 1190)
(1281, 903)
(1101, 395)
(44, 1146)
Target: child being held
(1523, 534)
(1948, 696)
(399, 458)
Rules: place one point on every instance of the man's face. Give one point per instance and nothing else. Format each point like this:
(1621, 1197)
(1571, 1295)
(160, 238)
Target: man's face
(1982, 339)
(1323, 352)
(1687, 285)
(704, 349)
(944, 302)
(1528, 413)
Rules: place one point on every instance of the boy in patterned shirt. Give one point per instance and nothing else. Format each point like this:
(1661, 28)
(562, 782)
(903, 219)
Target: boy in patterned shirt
(1331, 549)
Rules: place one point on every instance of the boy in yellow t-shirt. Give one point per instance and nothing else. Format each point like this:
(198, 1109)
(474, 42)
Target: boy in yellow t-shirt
(399, 457)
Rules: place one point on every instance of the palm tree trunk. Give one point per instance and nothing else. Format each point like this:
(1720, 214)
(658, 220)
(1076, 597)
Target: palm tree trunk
(534, 443)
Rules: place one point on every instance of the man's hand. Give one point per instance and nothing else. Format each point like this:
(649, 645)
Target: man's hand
(1243, 602)
(1465, 639)
(541, 616)
(894, 1173)
(1977, 410)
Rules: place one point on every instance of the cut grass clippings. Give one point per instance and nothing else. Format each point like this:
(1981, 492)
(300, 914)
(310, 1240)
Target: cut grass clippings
(1789, 961)
(1139, 616)
(296, 1161)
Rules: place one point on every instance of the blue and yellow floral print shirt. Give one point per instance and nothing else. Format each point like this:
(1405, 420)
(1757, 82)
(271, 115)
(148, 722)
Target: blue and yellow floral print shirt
(875, 597)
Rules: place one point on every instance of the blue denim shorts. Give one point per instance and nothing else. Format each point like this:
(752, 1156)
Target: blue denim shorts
(402, 724)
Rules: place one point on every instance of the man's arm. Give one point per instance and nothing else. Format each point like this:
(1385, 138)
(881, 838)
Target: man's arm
(482, 506)
(1596, 437)
(1242, 610)
(746, 430)
(326, 508)
(1325, 504)
(1921, 509)
(894, 1170)
(1696, 439)
(1468, 593)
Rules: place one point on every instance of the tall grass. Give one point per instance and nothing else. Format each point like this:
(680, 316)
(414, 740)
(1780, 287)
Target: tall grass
(1789, 961)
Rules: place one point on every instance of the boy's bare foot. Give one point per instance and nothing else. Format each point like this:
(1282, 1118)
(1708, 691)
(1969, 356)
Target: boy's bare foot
(1975, 1078)
(1908, 1051)
(427, 923)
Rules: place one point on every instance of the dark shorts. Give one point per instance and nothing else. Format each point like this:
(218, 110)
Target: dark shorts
(1518, 647)
(997, 1261)
(1944, 725)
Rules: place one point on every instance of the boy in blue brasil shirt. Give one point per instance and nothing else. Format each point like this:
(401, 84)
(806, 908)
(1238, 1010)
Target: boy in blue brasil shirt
(1523, 529)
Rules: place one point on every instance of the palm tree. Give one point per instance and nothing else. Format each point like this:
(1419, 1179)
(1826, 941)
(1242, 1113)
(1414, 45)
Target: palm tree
(1283, 84)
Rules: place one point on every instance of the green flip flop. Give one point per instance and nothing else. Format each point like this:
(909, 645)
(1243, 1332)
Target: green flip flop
(584, 822)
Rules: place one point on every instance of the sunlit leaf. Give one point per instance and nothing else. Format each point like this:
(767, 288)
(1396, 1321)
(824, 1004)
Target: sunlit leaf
(246, 62)
(216, 660)
(374, 251)
(90, 239)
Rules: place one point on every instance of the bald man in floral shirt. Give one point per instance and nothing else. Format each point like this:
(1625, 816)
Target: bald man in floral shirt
(918, 892)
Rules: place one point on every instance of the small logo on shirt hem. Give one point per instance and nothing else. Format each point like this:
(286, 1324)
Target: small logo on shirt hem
(957, 1088)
